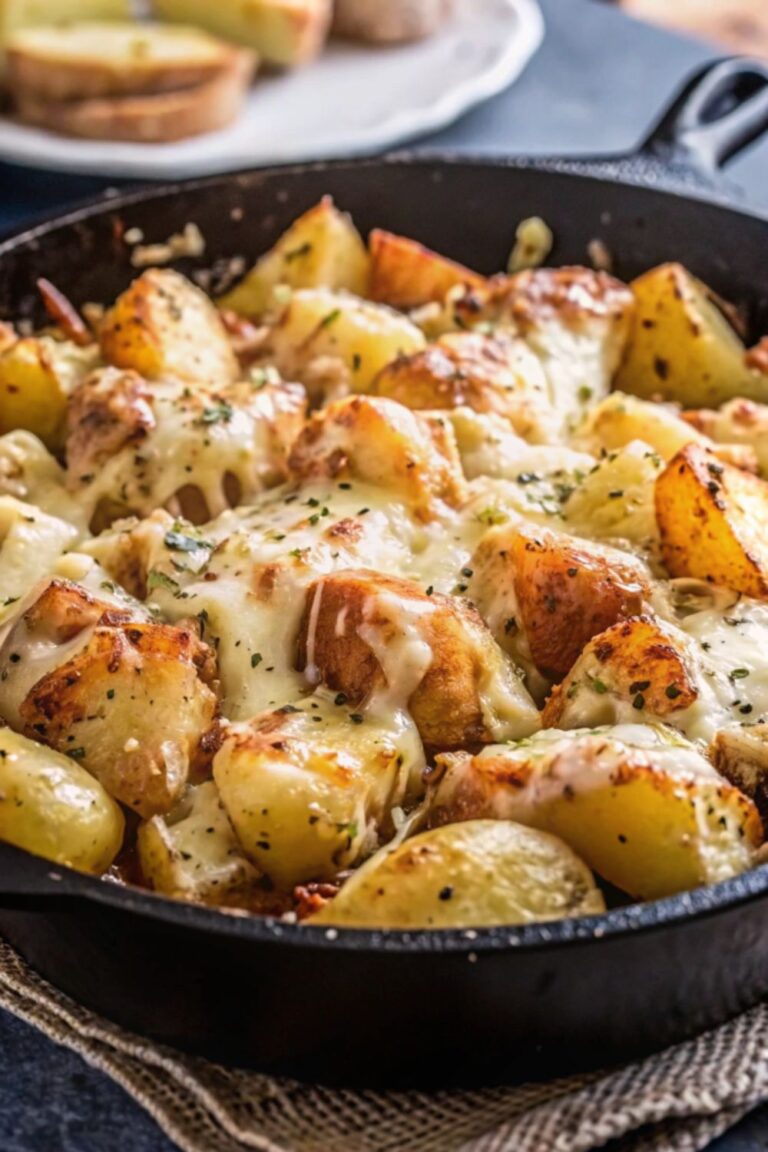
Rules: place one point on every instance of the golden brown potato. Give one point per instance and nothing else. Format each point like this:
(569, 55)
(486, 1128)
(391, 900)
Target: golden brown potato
(125, 697)
(322, 249)
(335, 343)
(640, 805)
(712, 519)
(470, 875)
(405, 274)
(489, 374)
(163, 325)
(52, 807)
(382, 639)
(193, 853)
(382, 443)
(309, 787)
(682, 347)
(637, 668)
(37, 376)
(545, 594)
(738, 425)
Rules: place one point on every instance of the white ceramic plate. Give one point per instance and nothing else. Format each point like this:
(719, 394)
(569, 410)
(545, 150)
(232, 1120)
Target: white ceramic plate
(353, 100)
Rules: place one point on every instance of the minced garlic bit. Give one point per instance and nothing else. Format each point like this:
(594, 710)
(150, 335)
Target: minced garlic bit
(534, 240)
(190, 243)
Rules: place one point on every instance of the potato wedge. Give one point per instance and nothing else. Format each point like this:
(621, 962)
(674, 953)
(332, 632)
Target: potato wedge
(286, 33)
(405, 274)
(545, 595)
(739, 424)
(489, 374)
(322, 249)
(471, 875)
(333, 335)
(163, 325)
(52, 807)
(640, 668)
(193, 853)
(308, 788)
(124, 697)
(37, 376)
(620, 419)
(384, 444)
(386, 644)
(638, 804)
(712, 519)
(682, 347)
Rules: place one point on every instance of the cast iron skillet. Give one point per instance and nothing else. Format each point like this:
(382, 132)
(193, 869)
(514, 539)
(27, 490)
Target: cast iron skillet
(419, 1007)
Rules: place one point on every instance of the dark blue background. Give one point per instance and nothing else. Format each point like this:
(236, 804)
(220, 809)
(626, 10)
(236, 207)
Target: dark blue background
(595, 86)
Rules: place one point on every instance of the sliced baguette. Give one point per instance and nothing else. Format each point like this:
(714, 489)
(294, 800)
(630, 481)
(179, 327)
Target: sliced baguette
(154, 119)
(285, 33)
(390, 22)
(84, 60)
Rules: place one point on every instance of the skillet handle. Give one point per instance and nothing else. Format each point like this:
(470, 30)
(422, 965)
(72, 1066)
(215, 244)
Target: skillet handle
(720, 111)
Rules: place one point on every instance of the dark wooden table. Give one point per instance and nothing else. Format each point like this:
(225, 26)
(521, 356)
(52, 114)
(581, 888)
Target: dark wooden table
(595, 86)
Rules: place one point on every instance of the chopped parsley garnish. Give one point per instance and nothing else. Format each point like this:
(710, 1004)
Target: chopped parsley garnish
(218, 414)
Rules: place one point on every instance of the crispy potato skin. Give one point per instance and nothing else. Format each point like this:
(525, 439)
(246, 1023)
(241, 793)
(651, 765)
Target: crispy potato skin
(383, 443)
(712, 521)
(682, 347)
(163, 325)
(405, 274)
(322, 249)
(130, 697)
(490, 374)
(364, 632)
(637, 660)
(564, 591)
(467, 875)
(37, 376)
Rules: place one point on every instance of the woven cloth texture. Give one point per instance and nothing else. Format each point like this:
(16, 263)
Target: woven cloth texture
(676, 1102)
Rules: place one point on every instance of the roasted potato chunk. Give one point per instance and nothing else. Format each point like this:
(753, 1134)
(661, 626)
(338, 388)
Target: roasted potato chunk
(620, 419)
(193, 853)
(739, 424)
(405, 274)
(491, 374)
(37, 376)
(332, 339)
(740, 754)
(471, 875)
(30, 545)
(123, 696)
(322, 249)
(545, 594)
(640, 666)
(712, 519)
(163, 325)
(382, 443)
(371, 636)
(52, 807)
(639, 805)
(308, 788)
(615, 501)
(682, 347)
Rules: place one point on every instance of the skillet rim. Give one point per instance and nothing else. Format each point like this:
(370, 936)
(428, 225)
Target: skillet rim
(47, 880)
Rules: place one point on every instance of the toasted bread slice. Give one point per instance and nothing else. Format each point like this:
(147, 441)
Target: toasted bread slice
(154, 119)
(392, 22)
(85, 60)
(284, 33)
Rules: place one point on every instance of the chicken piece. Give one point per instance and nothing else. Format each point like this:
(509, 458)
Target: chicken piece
(382, 443)
(545, 595)
(385, 643)
(489, 374)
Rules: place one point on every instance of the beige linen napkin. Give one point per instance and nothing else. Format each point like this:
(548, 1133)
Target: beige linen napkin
(676, 1102)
